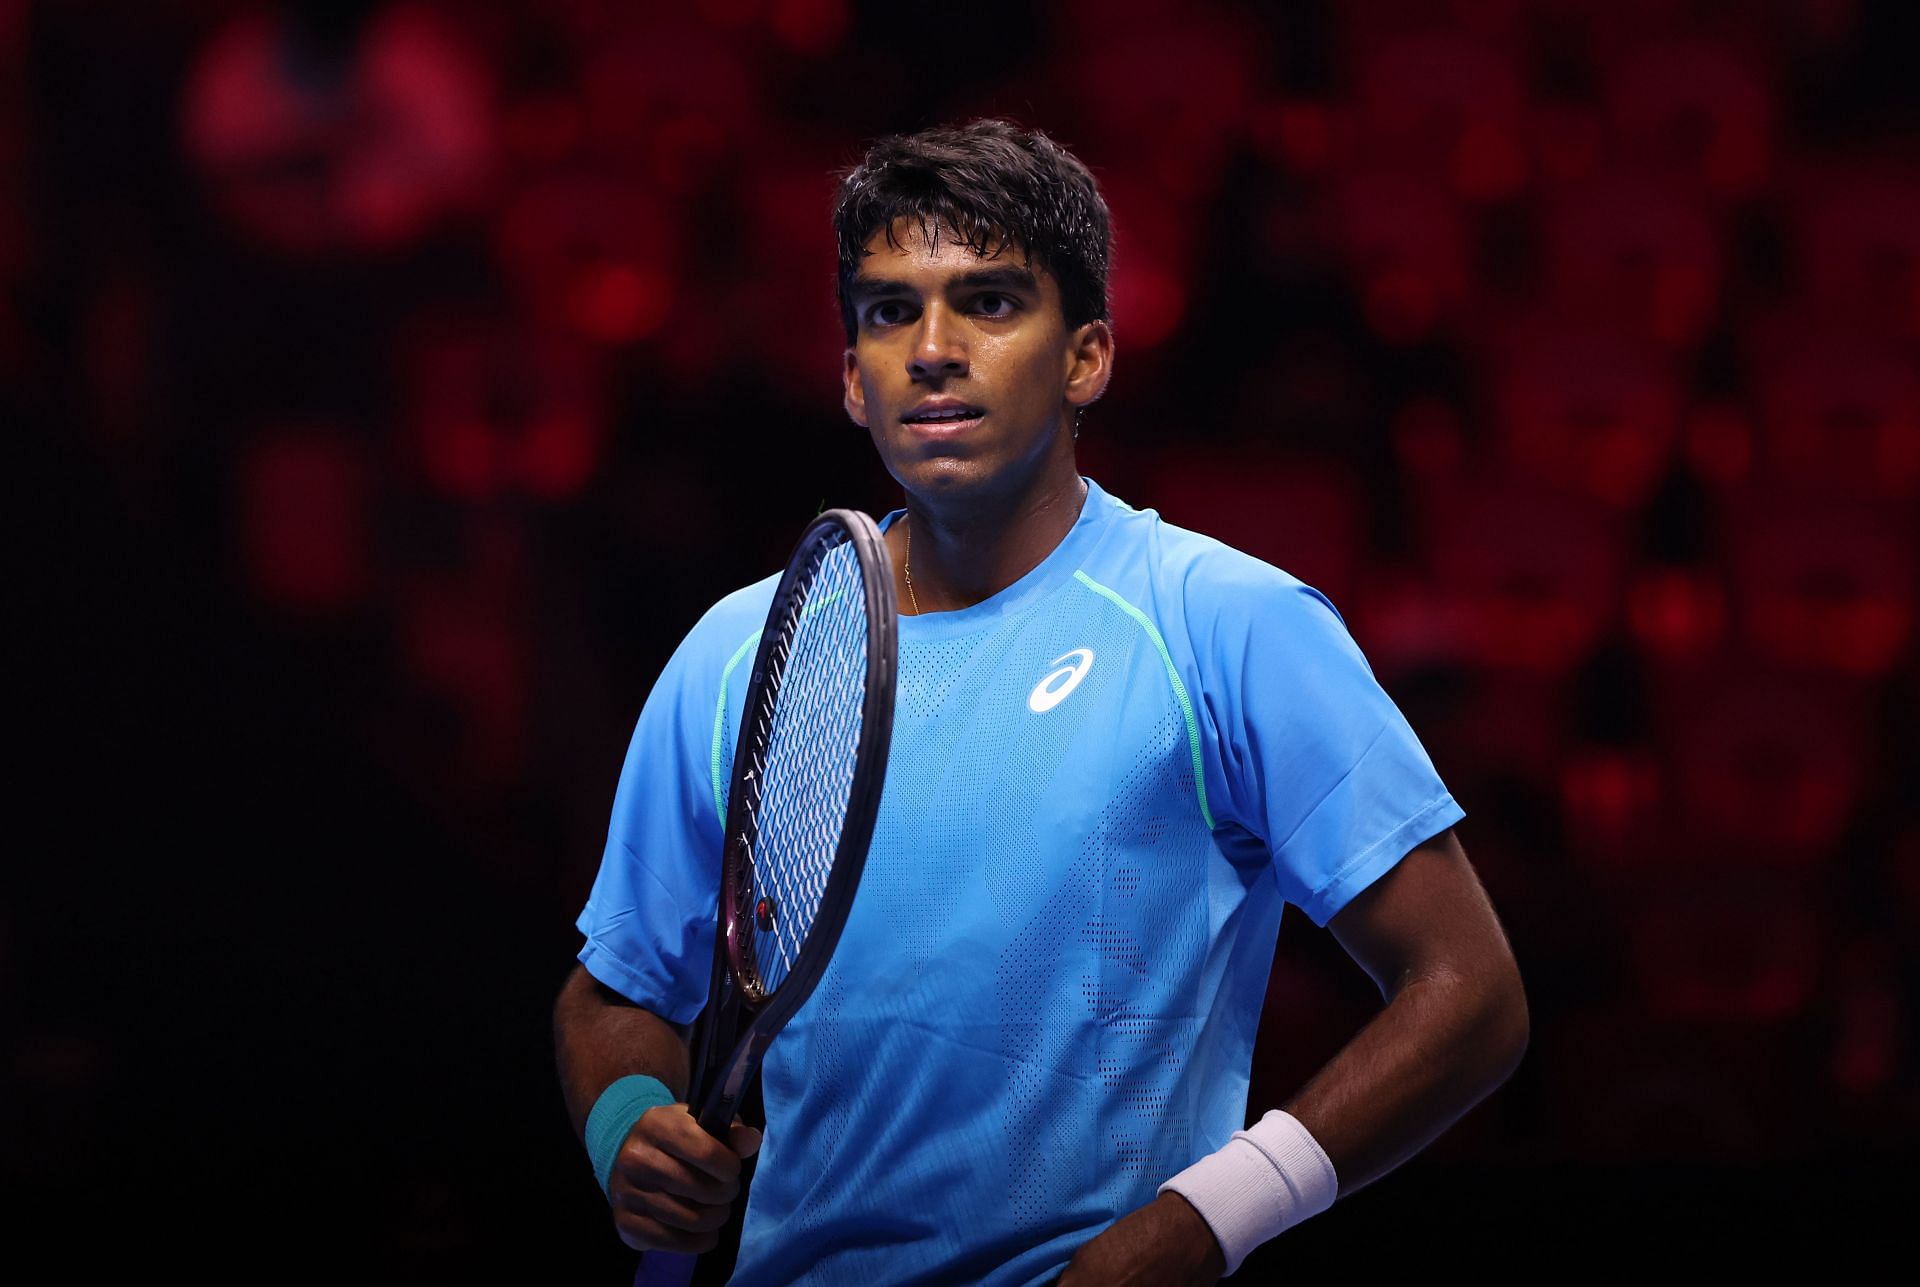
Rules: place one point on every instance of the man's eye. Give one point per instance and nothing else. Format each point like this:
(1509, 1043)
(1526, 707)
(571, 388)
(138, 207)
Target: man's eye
(889, 314)
(995, 305)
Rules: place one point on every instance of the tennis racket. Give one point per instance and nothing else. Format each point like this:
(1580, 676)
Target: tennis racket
(807, 775)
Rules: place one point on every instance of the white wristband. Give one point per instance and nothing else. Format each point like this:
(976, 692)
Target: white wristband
(1268, 1178)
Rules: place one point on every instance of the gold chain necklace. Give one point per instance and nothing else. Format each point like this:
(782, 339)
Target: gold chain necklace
(907, 567)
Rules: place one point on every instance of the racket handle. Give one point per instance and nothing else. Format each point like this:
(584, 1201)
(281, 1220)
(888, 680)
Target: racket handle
(665, 1269)
(717, 1116)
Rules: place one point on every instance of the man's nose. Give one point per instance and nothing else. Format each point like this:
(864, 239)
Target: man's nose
(939, 348)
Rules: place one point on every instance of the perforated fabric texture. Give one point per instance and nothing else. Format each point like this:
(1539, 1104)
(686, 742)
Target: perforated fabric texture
(1029, 931)
(1104, 783)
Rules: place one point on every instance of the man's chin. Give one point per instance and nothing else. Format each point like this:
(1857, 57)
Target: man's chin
(944, 475)
(957, 471)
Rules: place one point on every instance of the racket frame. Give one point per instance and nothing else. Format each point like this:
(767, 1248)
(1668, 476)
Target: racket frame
(738, 1025)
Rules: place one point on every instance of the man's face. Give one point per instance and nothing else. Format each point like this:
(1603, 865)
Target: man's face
(962, 367)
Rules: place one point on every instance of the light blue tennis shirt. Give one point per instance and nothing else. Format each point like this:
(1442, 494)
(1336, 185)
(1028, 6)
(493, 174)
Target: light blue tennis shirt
(1105, 781)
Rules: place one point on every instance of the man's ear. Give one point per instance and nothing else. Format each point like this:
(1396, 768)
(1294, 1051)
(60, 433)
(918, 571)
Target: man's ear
(855, 396)
(1089, 363)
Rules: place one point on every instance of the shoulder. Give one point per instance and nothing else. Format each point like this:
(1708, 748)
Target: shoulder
(742, 612)
(1216, 592)
(727, 628)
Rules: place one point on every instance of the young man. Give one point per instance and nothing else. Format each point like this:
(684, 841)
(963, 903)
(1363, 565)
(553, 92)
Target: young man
(1119, 749)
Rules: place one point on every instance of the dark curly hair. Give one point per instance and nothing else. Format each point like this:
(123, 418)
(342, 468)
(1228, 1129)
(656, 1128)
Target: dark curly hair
(992, 183)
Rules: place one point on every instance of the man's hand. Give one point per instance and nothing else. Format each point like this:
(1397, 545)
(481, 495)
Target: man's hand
(1164, 1243)
(673, 1185)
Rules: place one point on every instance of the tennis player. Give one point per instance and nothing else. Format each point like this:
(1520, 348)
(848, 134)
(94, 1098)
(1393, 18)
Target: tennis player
(1119, 749)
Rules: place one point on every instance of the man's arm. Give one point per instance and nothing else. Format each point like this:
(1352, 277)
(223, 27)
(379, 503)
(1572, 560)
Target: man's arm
(1454, 1028)
(599, 1037)
(672, 1185)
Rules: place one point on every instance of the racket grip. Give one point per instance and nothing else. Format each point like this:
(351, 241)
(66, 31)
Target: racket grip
(665, 1269)
(716, 1117)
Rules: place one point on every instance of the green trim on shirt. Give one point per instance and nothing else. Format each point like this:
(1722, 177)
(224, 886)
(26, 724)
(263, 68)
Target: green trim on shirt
(1179, 689)
(720, 720)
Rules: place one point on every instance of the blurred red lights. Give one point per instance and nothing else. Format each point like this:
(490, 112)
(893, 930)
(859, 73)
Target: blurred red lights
(1609, 794)
(1678, 614)
(312, 152)
(304, 520)
(619, 303)
(1147, 303)
(1568, 338)
(810, 27)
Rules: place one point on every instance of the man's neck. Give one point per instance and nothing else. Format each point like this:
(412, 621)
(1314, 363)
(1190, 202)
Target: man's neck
(954, 555)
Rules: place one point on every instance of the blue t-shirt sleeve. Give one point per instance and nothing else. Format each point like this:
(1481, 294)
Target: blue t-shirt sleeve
(1311, 761)
(649, 921)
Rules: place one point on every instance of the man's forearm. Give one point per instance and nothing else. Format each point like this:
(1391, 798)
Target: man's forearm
(1443, 1043)
(600, 1037)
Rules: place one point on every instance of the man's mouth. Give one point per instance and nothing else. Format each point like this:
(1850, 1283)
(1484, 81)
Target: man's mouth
(951, 417)
(942, 416)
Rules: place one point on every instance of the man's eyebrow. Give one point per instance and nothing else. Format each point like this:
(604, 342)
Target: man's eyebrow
(1009, 278)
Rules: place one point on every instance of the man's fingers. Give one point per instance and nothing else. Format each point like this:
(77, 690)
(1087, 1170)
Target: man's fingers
(674, 1185)
(745, 1139)
(643, 1234)
(642, 1167)
(675, 1213)
(667, 1149)
(676, 1132)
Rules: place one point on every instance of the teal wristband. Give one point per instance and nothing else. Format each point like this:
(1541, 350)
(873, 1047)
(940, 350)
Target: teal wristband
(614, 1113)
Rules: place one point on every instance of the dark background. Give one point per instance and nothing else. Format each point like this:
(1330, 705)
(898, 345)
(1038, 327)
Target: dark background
(387, 387)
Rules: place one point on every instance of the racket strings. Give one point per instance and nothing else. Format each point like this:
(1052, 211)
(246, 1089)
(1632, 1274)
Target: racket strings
(804, 743)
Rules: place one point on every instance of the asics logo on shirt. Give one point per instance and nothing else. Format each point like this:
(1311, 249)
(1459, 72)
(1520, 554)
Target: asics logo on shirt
(1053, 690)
